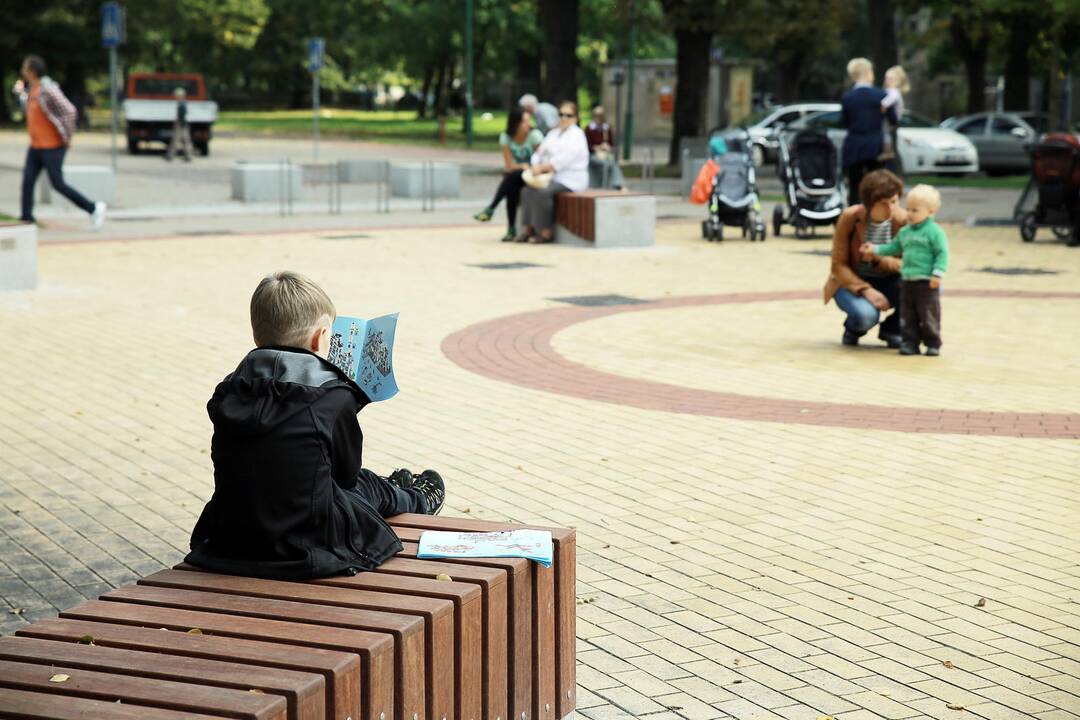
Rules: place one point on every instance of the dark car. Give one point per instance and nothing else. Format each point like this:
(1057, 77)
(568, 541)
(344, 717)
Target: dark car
(1002, 139)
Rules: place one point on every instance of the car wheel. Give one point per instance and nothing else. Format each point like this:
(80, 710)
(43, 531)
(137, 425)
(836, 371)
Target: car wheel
(1028, 227)
(133, 146)
(757, 154)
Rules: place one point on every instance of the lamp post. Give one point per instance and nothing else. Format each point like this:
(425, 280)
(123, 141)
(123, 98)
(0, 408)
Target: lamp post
(628, 132)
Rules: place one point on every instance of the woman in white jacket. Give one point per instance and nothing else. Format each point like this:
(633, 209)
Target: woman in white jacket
(565, 153)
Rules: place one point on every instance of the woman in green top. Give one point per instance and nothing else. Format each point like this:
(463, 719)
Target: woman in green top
(518, 143)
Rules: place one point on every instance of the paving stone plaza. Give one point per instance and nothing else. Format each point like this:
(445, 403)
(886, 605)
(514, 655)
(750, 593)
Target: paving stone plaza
(770, 525)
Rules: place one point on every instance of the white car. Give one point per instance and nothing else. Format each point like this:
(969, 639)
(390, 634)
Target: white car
(924, 148)
(764, 125)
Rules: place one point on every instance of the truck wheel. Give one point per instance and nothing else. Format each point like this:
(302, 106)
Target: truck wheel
(203, 148)
(133, 146)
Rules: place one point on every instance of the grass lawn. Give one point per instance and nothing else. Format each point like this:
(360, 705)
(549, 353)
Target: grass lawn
(1006, 182)
(379, 125)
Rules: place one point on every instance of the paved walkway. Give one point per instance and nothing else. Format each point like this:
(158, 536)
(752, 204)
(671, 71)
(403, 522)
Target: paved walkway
(732, 565)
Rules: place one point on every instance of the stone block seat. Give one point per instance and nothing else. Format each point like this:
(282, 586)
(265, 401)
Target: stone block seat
(266, 181)
(605, 219)
(96, 182)
(475, 639)
(411, 180)
(18, 256)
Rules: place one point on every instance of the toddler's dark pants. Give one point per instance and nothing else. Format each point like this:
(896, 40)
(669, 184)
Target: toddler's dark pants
(920, 313)
(388, 499)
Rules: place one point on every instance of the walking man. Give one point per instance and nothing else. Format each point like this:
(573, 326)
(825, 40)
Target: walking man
(181, 133)
(50, 120)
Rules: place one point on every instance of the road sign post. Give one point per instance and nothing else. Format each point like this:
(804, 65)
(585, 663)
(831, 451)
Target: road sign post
(468, 73)
(113, 33)
(316, 55)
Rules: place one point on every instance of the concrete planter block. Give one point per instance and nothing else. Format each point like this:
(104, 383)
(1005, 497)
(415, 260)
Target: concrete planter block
(266, 182)
(359, 171)
(96, 182)
(407, 180)
(18, 256)
(618, 220)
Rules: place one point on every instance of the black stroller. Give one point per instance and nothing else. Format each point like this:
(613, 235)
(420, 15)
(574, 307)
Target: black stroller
(814, 191)
(1055, 176)
(734, 199)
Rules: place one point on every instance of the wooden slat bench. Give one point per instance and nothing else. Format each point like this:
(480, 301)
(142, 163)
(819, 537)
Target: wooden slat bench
(605, 218)
(495, 642)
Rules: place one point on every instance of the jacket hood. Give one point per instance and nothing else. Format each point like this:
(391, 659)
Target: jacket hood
(273, 384)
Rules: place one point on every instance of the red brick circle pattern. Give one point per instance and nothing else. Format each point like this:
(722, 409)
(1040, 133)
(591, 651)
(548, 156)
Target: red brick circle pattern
(517, 349)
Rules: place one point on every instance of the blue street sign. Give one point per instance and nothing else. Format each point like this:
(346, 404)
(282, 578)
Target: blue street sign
(112, 24)
(316, 50)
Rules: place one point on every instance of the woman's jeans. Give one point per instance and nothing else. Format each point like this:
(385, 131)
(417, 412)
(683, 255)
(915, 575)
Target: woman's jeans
(861, 313)
(52, 160)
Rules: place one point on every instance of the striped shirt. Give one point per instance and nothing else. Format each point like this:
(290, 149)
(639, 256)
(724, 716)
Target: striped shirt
(876, 234)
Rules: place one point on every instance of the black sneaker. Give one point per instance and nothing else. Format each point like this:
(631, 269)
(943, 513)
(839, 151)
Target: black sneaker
(430, 484)
(401, 478)
(849, 338)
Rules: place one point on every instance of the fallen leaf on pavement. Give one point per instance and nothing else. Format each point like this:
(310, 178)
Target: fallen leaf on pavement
(16, 611)
(981, 602)
(954, 706)
(949, 664)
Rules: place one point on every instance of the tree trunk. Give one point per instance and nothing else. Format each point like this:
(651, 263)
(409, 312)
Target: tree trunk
(446, 78)
(691, 89)
(440, 74)
(425, 88)
(789, 77)
(559, 19)
(973, 48)
(882, 17)
(1017, 71)
(1053, 88)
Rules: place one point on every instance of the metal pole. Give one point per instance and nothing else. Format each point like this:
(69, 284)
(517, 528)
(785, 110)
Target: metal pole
(315, 110)
(113, 100)
(628, 133)
(468, 73)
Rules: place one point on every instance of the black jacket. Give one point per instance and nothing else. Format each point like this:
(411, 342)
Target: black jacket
(860, 114)
(286, 448)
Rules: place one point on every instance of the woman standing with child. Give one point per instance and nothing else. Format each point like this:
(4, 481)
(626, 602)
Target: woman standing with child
(517, 142)
(861, 110)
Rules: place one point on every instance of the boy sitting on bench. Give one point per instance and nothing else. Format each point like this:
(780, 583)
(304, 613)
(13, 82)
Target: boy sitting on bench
(291, 501)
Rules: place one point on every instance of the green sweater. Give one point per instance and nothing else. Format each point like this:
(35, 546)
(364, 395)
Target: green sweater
(924, 249)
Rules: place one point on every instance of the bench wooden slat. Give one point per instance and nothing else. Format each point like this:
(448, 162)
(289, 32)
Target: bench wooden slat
(468, 627)
(519, 625)
(376, 650)
(339, 670)
(142, 691)
(437, 614)
(564, 569)
(27, 705)
(406, 631)
(304, 693)
(493, 586)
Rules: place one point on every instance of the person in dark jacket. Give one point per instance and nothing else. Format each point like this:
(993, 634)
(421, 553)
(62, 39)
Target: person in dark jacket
(291, 501)
(860, 114)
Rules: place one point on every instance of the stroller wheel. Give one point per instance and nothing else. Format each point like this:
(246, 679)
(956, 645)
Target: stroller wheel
(1063, 232)
(706, 230)
(777, 219)
(761, 232)
(1028, 227)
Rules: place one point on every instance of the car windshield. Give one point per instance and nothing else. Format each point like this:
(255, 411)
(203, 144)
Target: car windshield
(915, 121)
(830, 119)
(165, 86)
(755, 118)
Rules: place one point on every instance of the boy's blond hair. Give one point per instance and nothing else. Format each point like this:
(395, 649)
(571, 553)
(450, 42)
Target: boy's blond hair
(287, 308)
(902, 83)
(927, 194)
(858, 68)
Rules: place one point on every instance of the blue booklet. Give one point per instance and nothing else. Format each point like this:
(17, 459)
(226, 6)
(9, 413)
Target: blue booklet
(364, 350)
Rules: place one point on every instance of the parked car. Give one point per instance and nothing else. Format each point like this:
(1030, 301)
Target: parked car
(923, 147)
(150, 109)
(1002, 139)
(764, 125)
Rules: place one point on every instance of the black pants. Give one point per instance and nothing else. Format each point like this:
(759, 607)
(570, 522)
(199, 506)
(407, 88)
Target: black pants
(509, 188)
(386, 498)
(920, 308)
(53, 162)
(856, 173)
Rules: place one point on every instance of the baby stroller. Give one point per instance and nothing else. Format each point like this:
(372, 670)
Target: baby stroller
(1055, 177)
(814, 191)
(734, 198)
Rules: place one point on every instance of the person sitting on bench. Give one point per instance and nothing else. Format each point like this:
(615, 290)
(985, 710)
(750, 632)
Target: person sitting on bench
(291, 500)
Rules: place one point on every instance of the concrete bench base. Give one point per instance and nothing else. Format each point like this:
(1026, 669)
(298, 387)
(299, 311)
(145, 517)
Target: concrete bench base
(96, 182)
(407, 180)
(266, 182)
(18, 256)
(605, 219)
(360, 171)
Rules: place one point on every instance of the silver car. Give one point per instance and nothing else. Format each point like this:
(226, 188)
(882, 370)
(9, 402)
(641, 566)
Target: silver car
(1001, 138)
(764, 125)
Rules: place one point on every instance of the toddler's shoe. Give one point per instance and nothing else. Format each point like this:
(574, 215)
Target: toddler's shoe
(909, 349)
(933, 352)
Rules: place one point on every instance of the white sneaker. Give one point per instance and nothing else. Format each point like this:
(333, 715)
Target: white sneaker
(97, 218)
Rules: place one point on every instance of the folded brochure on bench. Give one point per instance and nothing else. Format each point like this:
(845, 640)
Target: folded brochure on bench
(364, 350)
(528, 544)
